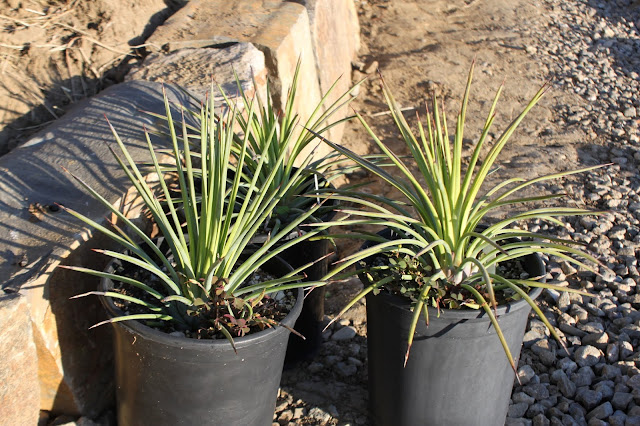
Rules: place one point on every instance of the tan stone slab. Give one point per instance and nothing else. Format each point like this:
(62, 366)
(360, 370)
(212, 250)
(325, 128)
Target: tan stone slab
(19, 389)
(279, 29)
(335, 32)
(194, 68)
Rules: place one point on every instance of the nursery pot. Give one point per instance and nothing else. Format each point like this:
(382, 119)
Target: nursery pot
(310, 322)
(167, 380)
(457, 372)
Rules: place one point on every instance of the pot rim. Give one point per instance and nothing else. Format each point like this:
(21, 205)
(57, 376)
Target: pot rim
(135, 326)
(466, 313)
(459, 314)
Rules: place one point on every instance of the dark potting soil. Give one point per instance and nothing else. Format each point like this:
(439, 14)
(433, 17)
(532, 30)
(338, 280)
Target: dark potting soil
(411, 277)
(238, 316)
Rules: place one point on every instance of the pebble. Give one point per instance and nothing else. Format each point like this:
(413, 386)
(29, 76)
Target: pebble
(601, 411)
(319, 415)
(621, 400)
(587, 356)
(345, 333)
(588, 398)
(538, 391)
(525, 374)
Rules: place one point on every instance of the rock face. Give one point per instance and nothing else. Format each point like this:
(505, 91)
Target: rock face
(193, 68)
(19, 388)
(324, 35)
(336, 40)
(279, 29)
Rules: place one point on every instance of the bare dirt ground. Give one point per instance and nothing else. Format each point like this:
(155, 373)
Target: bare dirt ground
(54, 53)
(425, 46)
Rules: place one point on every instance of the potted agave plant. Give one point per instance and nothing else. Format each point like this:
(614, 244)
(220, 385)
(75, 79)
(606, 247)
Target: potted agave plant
(202, 313)
(280, 153)
(447, 291)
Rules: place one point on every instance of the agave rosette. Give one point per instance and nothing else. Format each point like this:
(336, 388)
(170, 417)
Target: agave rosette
(208, 227)
(440, 251)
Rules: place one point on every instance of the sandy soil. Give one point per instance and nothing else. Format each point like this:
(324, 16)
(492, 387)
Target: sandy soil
(54, 53)
(425, 46)
(422, 48)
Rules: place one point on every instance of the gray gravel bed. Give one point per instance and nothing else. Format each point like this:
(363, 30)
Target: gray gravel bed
(591, 48)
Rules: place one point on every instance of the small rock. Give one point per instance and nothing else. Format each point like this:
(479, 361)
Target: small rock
(298, 412)
(567, 420)
(540, 420)
(626, 349)
(634, 382)
(592, 327)
(345, 333)
(371, 68)
(563, 302)
(535, 409)
(525, 374)
(618, 418)
(285, 417)
(577, 411)
(606, 389)
(567, 365)
(612, 353)
(517, 410)
(621, 400)
(588, 398)
(632, 421)
(544, 351)
(630, 112)
(522, 397)
(601, 412)
(320, 415)
(587, 356)
(598, 340)
(538, 391)
(532, 336)
(610, 372)
(565, 386)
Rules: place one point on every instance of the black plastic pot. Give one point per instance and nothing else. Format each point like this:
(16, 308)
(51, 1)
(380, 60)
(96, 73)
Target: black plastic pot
(167, 380)
(309, 324)
(457, 372)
